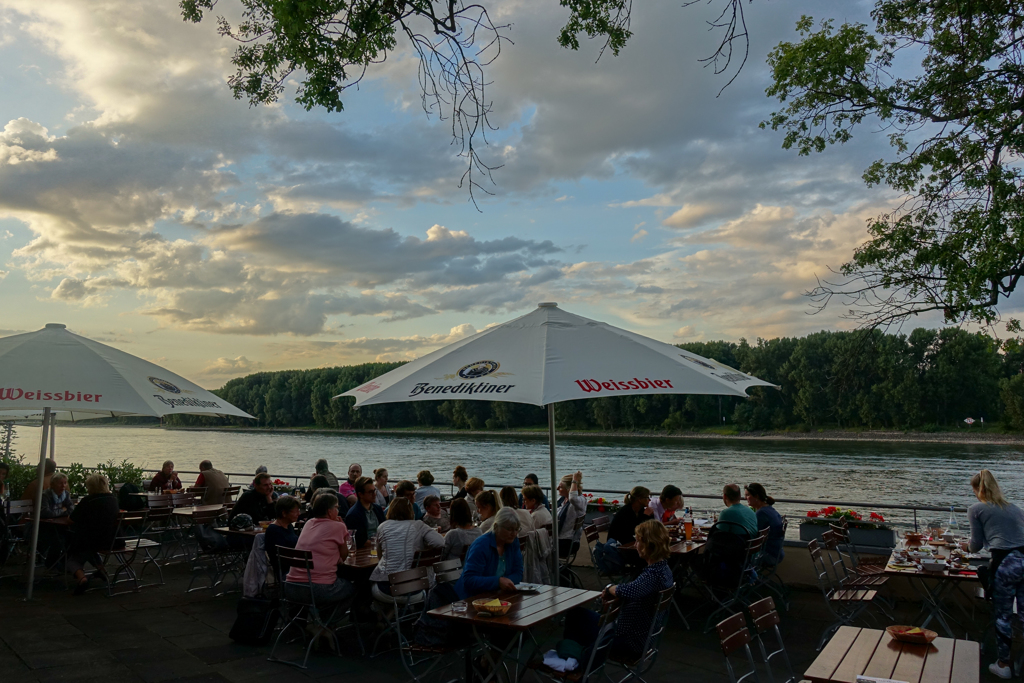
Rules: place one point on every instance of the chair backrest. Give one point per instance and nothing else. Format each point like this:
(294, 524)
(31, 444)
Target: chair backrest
(426, 557)
(733, 635)
(161, 500)
(159, 515)
(764, 614)
(605, 637)
(602, 523)
(408, 582)
(200, 490)
(448, 571)
(206, 516)
(180, 500)
(658, 623)
(592, 534)
(293, 558)
(19, 507)
(230, 492)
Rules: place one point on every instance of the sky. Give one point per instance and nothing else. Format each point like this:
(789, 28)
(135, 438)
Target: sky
(143, 206)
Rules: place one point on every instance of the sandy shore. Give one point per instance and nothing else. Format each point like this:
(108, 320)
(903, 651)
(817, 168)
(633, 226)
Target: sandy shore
(963, 436)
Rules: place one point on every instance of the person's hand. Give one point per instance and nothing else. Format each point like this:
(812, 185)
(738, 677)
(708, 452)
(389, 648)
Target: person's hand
(578, 477)
(505, 584)
(649, 511)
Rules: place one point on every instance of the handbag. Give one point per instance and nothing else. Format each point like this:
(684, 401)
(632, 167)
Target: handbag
(257, 618)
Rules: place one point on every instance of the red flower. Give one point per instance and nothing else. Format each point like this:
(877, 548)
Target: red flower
(615, 502)
(812, 513)
(875, 517)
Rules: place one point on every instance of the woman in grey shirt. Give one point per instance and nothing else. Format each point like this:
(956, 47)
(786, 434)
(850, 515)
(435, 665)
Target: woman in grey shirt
(462, 534)
(999, 526)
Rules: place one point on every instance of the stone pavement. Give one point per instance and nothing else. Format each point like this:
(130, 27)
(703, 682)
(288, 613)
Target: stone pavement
(165, 634)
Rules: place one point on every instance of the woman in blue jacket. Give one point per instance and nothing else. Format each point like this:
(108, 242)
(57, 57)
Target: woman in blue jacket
(494, 561)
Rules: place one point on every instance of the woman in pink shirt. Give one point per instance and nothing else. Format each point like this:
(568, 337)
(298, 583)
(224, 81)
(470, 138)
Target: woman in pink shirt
(326, 536)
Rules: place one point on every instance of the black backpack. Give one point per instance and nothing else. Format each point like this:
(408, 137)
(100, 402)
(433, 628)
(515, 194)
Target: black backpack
(724, 555)
(125, 499)
(256, 621)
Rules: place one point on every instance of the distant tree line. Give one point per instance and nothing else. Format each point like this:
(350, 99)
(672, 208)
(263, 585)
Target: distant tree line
(929, 379)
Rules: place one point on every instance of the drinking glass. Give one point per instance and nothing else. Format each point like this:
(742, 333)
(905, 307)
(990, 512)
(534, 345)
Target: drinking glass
(688, 528)
(460, 606)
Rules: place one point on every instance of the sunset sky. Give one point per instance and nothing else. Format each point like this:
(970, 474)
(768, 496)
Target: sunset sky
(143, 206)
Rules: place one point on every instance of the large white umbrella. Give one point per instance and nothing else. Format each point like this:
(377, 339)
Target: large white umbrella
(547, 356)
(63, 375)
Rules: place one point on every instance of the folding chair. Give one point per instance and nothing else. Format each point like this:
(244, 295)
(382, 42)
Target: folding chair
(124, 550)
(448, 571)
(426, 557)
(183, 500)
(566, 572)
(598, 655)
(733, 635)
(844, 575)
(602, 523)
(731, 597)
(640, 666)
(410, 588)
(308, 616)
(215, 561)
(13, 534)
(230, 492)
(860, 564)
(766, 620)
(845, 604)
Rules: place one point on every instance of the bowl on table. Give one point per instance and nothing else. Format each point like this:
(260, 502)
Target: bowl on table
(264, 524)
(913, 538)
(911, 634)
(933, 565)
(484, 606)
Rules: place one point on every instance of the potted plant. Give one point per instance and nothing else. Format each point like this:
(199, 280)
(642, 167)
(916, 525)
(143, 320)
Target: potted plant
(872, 532)
(600, 507)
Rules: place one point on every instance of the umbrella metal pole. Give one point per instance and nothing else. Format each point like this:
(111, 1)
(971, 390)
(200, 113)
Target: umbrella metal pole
(554, 491)
(53, 439)
(40, 474)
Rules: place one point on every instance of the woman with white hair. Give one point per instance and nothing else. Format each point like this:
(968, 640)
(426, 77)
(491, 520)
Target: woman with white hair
(94, 521)
(494, 561)
(56, 500)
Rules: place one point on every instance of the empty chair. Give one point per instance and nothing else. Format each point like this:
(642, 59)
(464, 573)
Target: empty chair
(447, 571)
(214, 558)
(766, 621)
(602, 523)
(125, 547)
(864, 565)
(426, 557)
(230, 492)
(733, 636)
(845, 604)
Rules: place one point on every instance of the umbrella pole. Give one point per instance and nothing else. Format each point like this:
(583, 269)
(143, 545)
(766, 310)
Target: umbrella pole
(53, 438)
(554, 492)
(40, 474)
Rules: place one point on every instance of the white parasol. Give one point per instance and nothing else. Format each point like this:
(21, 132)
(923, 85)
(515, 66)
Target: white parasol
(547, 356)
(61, 375)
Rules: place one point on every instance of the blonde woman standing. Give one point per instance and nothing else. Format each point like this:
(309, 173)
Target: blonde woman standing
(999, 525)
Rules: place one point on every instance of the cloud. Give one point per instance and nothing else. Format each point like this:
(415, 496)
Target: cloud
(691, 215)
(638, 236)
(232, 367)
(380, 349)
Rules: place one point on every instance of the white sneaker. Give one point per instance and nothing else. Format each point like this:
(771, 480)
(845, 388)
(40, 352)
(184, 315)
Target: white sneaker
(1001, 671)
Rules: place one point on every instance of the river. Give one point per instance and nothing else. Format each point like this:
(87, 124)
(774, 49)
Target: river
(875, 472)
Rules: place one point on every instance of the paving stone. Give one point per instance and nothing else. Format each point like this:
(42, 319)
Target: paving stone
(83, 671)
(208, 637)
(50, 658)
(223, 653)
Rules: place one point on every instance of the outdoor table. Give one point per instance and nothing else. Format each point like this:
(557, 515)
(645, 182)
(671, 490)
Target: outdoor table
(933, 587)
(228, 531)
(873, 652)
(190, 511)
(529, 609)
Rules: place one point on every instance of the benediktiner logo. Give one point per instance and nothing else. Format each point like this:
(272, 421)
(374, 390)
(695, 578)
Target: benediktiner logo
(164, 385)
(478, 369)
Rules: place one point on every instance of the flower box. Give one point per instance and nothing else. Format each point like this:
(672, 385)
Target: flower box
(874, 538)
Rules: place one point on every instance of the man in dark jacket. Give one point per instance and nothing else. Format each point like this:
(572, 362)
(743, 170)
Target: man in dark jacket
(365, 516)
(257, 502)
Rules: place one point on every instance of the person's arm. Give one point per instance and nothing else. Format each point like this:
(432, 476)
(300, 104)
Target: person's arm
(432, 539)
(200, 480)
(48, 510)
(640, 587)
(977, 541)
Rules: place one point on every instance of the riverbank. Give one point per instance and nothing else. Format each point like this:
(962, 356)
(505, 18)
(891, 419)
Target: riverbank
(965, 436)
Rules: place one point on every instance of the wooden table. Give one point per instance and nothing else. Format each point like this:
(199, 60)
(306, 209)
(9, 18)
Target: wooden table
(872, 652)
(228, 531)
(529, 609)
(362, 559)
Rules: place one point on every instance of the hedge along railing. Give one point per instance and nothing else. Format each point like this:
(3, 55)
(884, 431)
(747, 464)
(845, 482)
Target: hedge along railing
(700, 496)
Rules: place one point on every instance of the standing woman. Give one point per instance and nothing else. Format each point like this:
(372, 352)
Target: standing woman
(571, 505)
(459, 478)
(380, 482)
(999, 526)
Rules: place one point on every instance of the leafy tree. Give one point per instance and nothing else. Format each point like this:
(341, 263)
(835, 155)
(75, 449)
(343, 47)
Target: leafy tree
(956, 242)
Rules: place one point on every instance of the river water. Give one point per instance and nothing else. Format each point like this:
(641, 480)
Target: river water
(872, 472)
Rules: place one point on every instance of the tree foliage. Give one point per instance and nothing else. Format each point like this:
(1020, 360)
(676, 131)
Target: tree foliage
(862, 379)
(945, 79)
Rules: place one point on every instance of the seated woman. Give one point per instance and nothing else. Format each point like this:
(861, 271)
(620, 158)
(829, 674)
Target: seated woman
(165, 479)
(398, 539)
(315, 484)
(487, 506)
(533, 501)
(380, 482)
(365, 517)
(56, 500)
(94, 522)
(998, 524)
(406, 489)
(426, 487)
(282, 534)
(639, 598)
(463, 532)
(494, 561)
(459, 479)
(434, 516)
(474, 485)
(635, 510)
(509, 499)
(665, 506)
(326, 537)
(767, 518)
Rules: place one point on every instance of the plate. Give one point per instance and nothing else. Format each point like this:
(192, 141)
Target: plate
(903, 565)
(525, 587)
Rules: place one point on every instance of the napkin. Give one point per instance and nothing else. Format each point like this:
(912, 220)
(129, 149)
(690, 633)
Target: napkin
(553, 661)
(872, 679)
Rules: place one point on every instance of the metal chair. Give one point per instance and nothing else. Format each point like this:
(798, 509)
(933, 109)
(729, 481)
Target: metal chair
(845, 604)
(731, 597)
(448, 571)
(598, 654)
(124, 549)
(844, 574)
(410, 588)
(216, 562)
(14, 537)
(230, 492)
(733, 635)
(307, 614)
(766, 620)
(638, 667)
(860, 564)
(602, 523)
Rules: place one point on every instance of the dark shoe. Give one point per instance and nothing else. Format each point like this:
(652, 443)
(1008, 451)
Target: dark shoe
(82, 587)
